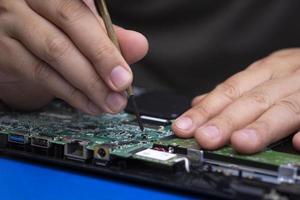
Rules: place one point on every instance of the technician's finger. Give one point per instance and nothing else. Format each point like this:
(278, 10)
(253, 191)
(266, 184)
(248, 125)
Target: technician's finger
(278, 122)
(84, 29)
(30, 68)
(217, 131)
(218, 99)
(276, 65)
(198, 99)
(296, 141)
(131, 53)
(134, 45)
(52, 46)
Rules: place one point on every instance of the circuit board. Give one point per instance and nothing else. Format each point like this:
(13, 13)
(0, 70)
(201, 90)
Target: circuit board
(80, 134)
(268, 156)
(62, 133)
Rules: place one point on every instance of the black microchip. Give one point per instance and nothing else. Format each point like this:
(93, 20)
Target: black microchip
(160, 104)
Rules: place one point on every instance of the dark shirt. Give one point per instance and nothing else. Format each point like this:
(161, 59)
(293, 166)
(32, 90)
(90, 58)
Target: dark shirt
(196, 44)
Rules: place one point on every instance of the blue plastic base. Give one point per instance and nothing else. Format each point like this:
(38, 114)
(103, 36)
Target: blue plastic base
(26, 181)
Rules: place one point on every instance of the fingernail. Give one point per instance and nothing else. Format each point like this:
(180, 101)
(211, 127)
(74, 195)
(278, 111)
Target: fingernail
(93, 109)
(211, 132)
(184, 123)
(120, 77)
(115, 101)
(248, 135)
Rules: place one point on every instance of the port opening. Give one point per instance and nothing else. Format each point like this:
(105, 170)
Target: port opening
(76, 150)
(102, 152)
(3, 140)
(41, 142)
(17, 138)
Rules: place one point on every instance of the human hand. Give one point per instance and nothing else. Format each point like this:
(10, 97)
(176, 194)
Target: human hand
(251, 109)
(59, 48)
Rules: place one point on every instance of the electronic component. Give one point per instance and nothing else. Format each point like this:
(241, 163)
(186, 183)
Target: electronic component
(151, 154)
(102, 153)
(114, 144)
(76, 150)
(41, 141)
(3, 140)
(17, 137)
(161, 105)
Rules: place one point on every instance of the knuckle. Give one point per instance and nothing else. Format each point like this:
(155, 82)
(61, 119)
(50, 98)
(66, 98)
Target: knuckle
(256, 65)
(284, 52)
(276, 65)
(5, 6)
(228, 90)
(102, 51)
(272, 60)
(41, 72)
(197, 100)
(73, 95)
(290, 104)
(93, 85)
(268, 61)
(227, 121)
(259, 97)
(70, 10)
(3, 9)
(297, 72)
(55, 48)
(262, 127)
(4, 47)
(202, 110)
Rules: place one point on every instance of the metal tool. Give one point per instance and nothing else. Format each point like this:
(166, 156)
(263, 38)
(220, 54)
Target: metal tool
(103, 12)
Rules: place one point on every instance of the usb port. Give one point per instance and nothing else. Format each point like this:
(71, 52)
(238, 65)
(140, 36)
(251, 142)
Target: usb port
(17, 138)
(41, 142)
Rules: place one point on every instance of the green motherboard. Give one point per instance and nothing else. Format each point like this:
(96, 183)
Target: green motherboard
(82, 136)
(65, 133)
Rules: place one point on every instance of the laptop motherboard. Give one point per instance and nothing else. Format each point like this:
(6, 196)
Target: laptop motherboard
(114, 145)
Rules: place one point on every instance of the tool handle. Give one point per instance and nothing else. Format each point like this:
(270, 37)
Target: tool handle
(103, 11)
